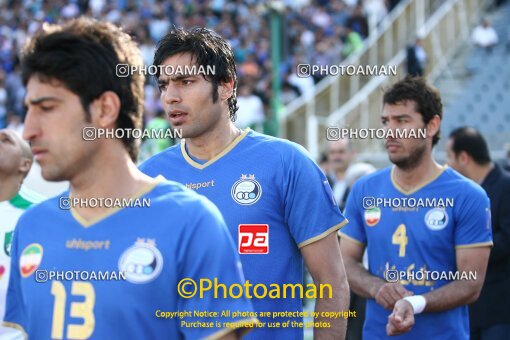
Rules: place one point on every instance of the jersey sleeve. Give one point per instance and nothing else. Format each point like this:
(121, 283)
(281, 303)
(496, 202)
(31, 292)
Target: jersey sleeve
(210, 260)
(310, 208)
(15, 322)
(355, 230)
(473, 220)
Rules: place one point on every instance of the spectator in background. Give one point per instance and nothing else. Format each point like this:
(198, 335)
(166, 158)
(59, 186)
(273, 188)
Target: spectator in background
(313, 32)
(289, 92)
(468, 154)
(15, 91)
(324, 165)
(353, 43)
(304, 84)
(15, 123)
(506, 162)
(151, 147)
(416, 58)
(485, 36)
(3, 101)
(340, 157)
(357, 303)
(358, 22)
(376, 11)
(251, 108)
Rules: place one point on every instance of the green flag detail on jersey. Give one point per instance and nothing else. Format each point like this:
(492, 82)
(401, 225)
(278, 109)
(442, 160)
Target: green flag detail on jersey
(7, 243)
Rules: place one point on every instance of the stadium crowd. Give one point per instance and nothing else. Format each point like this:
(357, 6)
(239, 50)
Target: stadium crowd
(320, 32)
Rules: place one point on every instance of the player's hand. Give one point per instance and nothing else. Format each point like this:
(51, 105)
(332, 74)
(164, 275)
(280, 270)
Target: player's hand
(389, 293)
(402, 318)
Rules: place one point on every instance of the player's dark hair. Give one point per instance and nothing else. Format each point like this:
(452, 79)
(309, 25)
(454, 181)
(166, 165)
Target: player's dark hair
(472, 142)
(83, 55)
(207, 48)
(427, 99)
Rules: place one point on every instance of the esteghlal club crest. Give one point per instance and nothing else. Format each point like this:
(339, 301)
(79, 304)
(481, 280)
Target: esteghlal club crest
(436, 219)
(247, 190)
(142, 262)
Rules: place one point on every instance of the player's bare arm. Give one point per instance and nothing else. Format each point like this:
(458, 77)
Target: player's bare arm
(463, 292)
(365, 284)
(324, 261)
(452, 295)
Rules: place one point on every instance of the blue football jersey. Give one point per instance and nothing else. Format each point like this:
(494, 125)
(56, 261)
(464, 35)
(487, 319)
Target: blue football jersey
(274, 199)
(419, 241)
(180, 236)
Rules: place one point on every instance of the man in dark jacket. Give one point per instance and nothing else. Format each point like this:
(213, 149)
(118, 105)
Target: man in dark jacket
(468, 153)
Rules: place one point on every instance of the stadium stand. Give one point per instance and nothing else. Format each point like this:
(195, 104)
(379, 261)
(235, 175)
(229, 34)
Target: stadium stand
(483, 101)
(308, 28)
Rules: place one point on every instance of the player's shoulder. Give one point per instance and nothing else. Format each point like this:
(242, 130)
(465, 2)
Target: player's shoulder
(278, 146)
(464, 186)
(168, 192)
(164, 156)
(375, 179)
(41, 211)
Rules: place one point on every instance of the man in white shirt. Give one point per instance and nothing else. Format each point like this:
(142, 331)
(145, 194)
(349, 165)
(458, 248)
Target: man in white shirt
(340, 156)
(484, 36)
(15, 163)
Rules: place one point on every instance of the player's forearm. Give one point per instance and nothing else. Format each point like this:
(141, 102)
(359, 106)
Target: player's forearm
(361, 281)
(339, 302)
(452, 295)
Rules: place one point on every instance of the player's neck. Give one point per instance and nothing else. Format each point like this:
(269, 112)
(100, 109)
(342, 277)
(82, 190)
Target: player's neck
(425, 171)
(109, 175)
(212, 143)
(10, 187)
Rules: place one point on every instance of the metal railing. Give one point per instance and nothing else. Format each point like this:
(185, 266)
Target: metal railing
(355, 101)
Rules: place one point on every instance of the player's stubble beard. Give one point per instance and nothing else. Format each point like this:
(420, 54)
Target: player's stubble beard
(413, 160)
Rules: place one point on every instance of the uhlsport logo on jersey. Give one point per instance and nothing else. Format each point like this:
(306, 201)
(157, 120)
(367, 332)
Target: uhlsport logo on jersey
(253, 239)
(30, 259)
(436, 219)
(372, 216)
(142, 262)
(247, 190)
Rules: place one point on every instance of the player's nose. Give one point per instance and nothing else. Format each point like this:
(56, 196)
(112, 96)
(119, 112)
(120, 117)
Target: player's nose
(31, 126)
(171, 95)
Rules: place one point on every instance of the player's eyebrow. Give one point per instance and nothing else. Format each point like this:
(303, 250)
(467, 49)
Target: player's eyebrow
(404, 115)
(181, 77)
(37, 101)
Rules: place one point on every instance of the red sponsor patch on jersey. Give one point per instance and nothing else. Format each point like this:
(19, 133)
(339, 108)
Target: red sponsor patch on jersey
(253, 239)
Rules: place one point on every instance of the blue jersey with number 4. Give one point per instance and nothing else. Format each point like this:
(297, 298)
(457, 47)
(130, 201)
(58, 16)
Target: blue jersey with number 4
(66, 280)
(416, 244)
(275, 200)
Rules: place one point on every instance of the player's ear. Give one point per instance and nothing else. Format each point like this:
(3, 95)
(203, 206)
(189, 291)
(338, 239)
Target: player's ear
(226, 89)
(433, 126)
(25, 165)
(105, 109)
